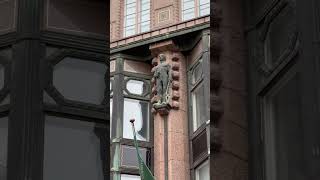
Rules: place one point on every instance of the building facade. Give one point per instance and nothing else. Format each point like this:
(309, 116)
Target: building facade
(265, 103)
(173, 140)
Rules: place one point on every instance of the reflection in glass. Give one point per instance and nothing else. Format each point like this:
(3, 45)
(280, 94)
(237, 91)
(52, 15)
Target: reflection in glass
(202, 172)
(136, 87)
(198, 105)
(129, 177)
(138, 110)
(80, 80)
(3, 147)
(129, 156)
(74, 149)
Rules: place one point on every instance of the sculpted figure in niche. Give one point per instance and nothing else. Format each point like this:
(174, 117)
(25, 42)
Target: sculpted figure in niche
(162, 76)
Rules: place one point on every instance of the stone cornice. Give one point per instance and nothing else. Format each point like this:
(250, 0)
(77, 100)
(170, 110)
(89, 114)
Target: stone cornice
(161, 34)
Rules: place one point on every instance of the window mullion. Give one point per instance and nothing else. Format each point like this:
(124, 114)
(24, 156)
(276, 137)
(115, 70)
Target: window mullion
(138, 14)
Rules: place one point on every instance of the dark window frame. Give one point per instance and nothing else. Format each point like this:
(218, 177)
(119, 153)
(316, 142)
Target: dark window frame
(119, 87)
(28, 42)
(204, 128)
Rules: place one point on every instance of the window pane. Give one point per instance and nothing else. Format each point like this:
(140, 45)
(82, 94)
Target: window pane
(130, 20)
(73, 149)
(111, 108)
(198, 106)
(145, 4)
(205, 11)
(145, 12)
(204, 7)
(202, 172)
(111, 86)
(129, 156)
(130, 32)
(130, 1)
(188, 9)
(129, 177)
(145, 17)
(3, 147)
(139, 110)
(197, 73)
(188, 4)
(80, 80)
(130, 11)
(145, 26)
(188, 14)
(136, 87)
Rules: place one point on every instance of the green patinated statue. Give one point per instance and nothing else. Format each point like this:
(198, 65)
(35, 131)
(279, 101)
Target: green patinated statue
(163, 78)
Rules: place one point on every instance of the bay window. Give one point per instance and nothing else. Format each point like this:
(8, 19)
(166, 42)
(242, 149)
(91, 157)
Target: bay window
(130, 100)
(199, 109)
(198, 96)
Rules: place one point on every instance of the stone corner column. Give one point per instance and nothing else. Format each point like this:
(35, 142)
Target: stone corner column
(171, 142)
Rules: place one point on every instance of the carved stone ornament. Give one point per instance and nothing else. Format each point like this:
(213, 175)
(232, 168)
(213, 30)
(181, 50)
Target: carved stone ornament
(163, 78)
